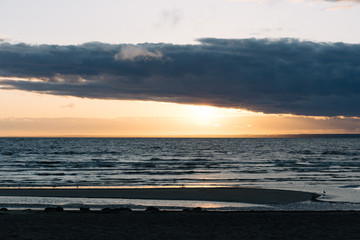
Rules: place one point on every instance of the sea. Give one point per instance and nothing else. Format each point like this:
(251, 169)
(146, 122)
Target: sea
(327, 165)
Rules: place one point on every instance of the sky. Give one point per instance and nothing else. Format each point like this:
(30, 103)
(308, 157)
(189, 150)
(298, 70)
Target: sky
(179, 68)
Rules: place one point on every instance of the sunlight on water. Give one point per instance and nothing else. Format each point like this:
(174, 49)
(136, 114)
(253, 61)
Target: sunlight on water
(308, 164)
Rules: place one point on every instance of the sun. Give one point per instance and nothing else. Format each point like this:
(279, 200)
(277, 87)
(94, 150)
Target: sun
(204, 115)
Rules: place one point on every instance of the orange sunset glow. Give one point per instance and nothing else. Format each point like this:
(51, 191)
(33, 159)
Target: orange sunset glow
(33, 114)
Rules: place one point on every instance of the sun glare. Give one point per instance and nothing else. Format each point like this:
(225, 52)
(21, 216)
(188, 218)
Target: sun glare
(204, 115)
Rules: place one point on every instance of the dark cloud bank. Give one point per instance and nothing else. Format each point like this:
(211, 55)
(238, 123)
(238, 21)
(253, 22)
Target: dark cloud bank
(271, 76)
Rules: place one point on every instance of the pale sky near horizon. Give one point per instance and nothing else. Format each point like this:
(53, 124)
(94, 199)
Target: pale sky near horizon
(32, 111)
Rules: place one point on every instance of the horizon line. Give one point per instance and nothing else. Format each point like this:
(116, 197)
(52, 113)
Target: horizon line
(301, 135)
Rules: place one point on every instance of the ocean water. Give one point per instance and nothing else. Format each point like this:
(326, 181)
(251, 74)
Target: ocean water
(306, 164)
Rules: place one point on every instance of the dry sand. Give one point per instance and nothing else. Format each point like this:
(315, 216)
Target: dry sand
(179, 225)
(244, 195)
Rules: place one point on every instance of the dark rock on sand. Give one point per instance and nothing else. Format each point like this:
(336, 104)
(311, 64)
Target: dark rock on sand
(3, 209)
(152, 209)
(124, 209)
(116, 210)
(197, 209)
(54, 209)
(85, 209)
(106, 210)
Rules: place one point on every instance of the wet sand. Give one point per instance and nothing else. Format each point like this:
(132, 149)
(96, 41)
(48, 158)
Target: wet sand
(243, 195)
(179, 225)
(63, 225)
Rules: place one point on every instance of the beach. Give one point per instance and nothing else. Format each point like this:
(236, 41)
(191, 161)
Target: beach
(182, 224)
(179, 225)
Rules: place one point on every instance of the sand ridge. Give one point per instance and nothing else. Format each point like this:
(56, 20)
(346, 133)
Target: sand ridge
(222, 194)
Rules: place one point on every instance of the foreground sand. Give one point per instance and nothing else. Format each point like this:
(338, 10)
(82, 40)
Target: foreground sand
(244, 195)
(179, 225)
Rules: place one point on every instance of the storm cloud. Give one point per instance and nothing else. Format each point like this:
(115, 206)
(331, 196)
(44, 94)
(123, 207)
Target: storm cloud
(262, 75)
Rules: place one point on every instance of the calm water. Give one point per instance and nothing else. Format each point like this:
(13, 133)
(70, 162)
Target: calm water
(308, 164)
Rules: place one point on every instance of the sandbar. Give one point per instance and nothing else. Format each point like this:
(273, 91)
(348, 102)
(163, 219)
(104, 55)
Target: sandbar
(220, 194)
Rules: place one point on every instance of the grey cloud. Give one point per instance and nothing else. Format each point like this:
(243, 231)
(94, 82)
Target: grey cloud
(171, 16)
(70, 105)
(132, 52)
(271, 76)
